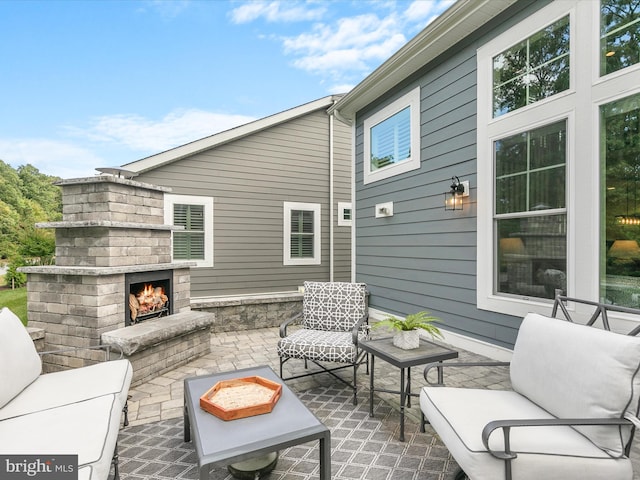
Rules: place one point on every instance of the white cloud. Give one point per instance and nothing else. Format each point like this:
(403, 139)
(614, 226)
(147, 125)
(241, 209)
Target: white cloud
(51, 157)
(276, 11)
(120, 138)
(153, 136)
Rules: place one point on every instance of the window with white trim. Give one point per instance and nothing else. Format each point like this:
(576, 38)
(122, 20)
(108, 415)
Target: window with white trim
(195, 240)
(392, 139)
(302, 234)
(550, 225)
(344, 214)
(619, 35)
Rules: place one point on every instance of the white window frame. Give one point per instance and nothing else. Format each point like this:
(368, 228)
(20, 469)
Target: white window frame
(411, 100)
(207, 202)
(342, 207)
(581, 106)
(317, 234)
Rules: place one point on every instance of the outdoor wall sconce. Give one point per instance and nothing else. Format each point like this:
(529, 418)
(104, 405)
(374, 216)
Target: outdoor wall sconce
(453, 198)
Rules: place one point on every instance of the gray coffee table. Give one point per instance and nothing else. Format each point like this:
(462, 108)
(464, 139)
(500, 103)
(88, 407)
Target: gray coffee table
(427, 352)
(218, 441)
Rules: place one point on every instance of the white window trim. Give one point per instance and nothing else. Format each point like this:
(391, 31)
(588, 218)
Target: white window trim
(543, 112)
(342, 222)
(412, 100)
(170, 200)
(581, 106)
(317, 234)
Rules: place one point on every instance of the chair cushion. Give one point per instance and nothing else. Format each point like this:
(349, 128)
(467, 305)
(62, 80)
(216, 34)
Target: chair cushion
(56, 389)
(458, 415)
(318, 345)
(333, 305)
(19, 361)
(576, 371)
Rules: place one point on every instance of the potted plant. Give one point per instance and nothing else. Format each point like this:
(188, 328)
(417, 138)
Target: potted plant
(407, 331)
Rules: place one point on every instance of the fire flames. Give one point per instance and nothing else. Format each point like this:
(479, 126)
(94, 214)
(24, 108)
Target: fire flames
(150, 299)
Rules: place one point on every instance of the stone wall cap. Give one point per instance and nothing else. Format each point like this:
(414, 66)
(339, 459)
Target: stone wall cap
(146, 334)
(111, 179)
(108, 224)
(250, 299)
(99, 271)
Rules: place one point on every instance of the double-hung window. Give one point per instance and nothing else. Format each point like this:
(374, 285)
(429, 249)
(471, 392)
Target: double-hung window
(194, 241)
(302, 234)
(392, 139)
(524, 126)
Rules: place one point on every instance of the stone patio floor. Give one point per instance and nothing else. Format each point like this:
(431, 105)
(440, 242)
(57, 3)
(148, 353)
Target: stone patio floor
(162, 397)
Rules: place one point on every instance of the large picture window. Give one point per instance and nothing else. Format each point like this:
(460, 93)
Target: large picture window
(195, 215)
(619, 34)
(392, 139)
(620, 160)
(302, 239)
(534, 69)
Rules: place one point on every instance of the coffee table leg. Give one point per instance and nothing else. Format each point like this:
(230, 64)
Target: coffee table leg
(325, 456)
(187, 426)
(371, 387)
(403, 399)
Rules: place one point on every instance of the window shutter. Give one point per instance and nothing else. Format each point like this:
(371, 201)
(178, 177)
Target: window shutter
(188, 244)
(302, 234)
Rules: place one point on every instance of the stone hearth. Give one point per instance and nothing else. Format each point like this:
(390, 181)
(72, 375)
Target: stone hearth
(111, 227)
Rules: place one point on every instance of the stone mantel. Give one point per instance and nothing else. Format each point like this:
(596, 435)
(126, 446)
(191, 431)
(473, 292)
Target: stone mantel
(108, 224)
(99, 271)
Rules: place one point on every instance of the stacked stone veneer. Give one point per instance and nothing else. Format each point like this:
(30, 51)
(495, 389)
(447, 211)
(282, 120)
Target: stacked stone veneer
(111, 226)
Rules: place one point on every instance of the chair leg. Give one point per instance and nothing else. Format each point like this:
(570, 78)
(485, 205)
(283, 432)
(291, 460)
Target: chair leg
(355, 387)
(460, 475)
(114, 462)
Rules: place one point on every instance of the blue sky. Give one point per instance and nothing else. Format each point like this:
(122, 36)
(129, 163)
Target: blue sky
(95, 83)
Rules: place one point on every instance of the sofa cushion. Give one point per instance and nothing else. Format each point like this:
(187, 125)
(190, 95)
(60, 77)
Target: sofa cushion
(576, 371)
(19, 361)
(88, 429)
(458, 415)
(56, 389)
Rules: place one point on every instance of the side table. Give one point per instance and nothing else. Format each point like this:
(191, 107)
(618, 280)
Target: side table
(427, 352)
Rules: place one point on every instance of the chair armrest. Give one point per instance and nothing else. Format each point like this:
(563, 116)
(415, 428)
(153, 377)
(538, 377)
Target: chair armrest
(107, 350)
(357, 328)
(431, 366)
(286, 323)
(506, 425)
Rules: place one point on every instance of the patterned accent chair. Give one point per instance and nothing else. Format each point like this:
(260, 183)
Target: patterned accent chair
(333, 320)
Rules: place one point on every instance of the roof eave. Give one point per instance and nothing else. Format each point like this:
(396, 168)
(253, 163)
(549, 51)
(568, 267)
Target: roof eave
(197, 146)
(453, 25)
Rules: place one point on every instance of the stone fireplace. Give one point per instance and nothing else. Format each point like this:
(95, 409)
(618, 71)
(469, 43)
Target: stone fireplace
(111, 244)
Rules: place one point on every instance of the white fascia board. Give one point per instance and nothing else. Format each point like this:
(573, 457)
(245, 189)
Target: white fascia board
(452, 26)
(232, 134)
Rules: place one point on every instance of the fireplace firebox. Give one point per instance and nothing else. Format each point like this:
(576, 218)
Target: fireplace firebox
(148, 295)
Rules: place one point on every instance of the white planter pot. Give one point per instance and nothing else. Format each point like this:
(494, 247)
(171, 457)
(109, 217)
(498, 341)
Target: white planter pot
(407, 340)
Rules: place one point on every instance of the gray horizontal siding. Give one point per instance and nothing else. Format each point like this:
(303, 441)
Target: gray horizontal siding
(424, 258)
(250, 179)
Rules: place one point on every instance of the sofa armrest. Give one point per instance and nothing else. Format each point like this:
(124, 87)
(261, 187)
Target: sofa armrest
(440, 365)
(286, 323)
(106, 348)
(507, 425)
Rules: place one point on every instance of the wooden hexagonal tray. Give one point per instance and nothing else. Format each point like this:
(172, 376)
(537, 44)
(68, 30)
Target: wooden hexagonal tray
(241, 397)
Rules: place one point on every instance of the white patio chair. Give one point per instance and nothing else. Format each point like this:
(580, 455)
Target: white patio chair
(571, 414)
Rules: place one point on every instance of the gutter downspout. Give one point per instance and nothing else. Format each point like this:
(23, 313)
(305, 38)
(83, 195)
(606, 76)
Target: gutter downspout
(331, 200)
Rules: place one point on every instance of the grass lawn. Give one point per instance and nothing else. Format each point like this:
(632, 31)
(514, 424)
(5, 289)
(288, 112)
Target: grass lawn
(16, 301)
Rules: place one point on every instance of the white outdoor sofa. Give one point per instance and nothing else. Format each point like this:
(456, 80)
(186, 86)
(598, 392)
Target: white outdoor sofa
(570, 416)
(72, 412)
